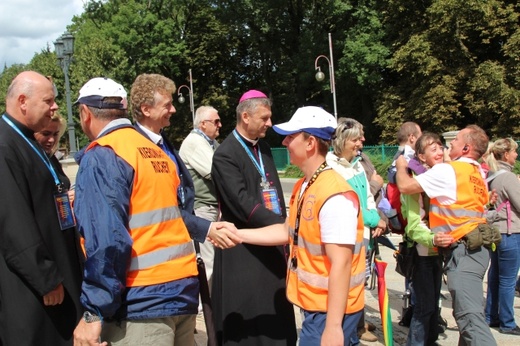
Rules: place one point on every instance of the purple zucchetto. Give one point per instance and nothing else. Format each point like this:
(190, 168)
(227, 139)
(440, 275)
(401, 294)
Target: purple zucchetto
(252, 94)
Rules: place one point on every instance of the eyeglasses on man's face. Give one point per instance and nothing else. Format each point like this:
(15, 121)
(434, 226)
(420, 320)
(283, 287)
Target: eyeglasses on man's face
(214, 122)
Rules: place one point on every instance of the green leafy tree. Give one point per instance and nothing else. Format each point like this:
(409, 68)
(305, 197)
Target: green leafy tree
(442, 63)
(6, 77)
(450, 66)
(365, 57)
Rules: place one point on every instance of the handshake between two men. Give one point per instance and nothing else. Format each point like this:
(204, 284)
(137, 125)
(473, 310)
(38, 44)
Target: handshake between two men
(223, 235)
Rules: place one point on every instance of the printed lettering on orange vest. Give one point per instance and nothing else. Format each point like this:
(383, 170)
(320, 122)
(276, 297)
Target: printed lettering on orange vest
(478, 185)
(307, 213)
(159, 166)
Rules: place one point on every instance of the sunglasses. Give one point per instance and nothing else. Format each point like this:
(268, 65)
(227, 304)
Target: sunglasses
(348, 124)
(214, 122)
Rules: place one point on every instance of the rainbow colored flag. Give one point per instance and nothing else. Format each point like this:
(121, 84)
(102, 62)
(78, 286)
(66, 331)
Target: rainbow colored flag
(384, 302)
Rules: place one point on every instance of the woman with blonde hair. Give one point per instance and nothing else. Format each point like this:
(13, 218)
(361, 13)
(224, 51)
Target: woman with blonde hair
(49, 139)
(347, 141)
(505, 261)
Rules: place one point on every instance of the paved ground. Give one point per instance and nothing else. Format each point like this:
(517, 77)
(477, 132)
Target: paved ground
(395, 284)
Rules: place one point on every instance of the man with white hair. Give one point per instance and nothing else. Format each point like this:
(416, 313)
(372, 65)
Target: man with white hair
(197, 153)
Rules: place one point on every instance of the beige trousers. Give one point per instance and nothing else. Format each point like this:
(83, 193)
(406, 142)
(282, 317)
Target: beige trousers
(167, 331)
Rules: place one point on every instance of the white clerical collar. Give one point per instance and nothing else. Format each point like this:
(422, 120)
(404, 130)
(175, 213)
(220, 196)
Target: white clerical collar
(252, 141)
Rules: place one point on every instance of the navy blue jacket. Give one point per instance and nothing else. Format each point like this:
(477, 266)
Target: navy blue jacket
(103, 189)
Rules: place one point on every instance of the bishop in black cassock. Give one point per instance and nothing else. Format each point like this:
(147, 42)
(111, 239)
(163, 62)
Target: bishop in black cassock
(249, 300)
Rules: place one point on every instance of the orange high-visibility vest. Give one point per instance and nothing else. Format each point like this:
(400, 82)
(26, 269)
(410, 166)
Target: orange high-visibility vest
(467, 212)
(308, 284)
(162, 250)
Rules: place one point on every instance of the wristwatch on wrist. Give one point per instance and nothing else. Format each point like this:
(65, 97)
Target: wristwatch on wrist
(90, 317)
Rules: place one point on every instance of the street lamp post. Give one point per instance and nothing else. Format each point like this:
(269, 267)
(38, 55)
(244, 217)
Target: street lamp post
(320, 76)
(190, 93)
(64, 46)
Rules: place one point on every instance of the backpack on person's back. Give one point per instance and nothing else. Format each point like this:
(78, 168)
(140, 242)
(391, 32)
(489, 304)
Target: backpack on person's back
(397, 222)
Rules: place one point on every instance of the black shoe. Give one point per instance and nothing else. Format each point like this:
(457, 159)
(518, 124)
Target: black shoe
(494, 325)
(514, 331)
(406, 316)
(442, 324)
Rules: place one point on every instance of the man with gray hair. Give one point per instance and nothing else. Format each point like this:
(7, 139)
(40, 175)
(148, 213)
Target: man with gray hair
(250, 195)
(197, 153)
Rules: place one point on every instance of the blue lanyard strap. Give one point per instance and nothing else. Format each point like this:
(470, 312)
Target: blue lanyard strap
(44, 158)
(259, 166)
(205, 136)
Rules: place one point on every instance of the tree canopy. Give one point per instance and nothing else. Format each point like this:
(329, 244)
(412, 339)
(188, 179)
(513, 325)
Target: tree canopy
(441, 63)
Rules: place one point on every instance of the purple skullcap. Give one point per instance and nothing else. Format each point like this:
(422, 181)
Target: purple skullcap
(252, 94)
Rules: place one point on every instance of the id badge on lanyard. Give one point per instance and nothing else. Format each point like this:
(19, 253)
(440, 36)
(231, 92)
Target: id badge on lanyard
(64, 210)
(269, 194)
(270, 197)
(61, 197)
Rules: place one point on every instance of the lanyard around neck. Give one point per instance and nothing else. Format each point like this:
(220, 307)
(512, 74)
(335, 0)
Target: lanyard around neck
(259, 165)
(205, 136)
(294, 261)
(300, 200)
(44, 158)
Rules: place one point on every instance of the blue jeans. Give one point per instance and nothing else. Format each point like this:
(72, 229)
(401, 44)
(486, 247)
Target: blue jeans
(426, 279)
(313, 326)
(502, 275)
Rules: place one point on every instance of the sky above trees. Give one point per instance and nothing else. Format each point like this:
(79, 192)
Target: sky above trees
(28, 26)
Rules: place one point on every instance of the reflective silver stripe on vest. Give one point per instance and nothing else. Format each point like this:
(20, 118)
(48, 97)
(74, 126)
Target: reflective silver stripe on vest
(455, 213)
(449, 227)
(160, 256)
(291, 232)
(154, 216)
(323, 282)
(461, 214)
(319, 249)
(445, 228)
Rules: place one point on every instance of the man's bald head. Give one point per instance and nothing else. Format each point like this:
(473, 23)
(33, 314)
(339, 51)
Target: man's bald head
(30, 100)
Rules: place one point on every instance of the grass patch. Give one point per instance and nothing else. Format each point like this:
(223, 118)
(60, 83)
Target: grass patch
(381, 166)
(292, 171)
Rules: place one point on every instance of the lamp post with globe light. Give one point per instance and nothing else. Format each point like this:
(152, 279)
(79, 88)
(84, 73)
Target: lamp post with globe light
(190, 93)
(64, 47)
(320, 76)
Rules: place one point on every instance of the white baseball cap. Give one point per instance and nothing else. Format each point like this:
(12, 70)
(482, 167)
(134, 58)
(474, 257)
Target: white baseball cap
(94, 92)
(313, 120)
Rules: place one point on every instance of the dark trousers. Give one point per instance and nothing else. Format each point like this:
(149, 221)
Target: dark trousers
(426, 280)
(313, 325)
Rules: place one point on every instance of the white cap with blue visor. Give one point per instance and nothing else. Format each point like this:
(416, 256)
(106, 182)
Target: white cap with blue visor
(311, 119)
